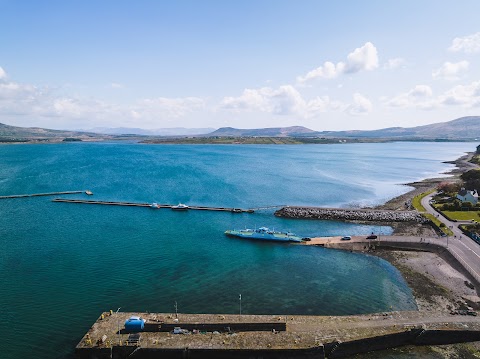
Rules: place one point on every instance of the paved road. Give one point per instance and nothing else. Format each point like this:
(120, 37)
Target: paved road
(461, 245)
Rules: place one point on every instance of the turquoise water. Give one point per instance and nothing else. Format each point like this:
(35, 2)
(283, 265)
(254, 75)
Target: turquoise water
(63, 264)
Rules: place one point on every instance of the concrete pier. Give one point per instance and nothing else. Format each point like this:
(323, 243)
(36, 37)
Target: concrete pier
(44, 194)
(158, 205)
(270, 336)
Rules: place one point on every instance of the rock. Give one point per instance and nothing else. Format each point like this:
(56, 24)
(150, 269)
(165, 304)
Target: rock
(367, 215)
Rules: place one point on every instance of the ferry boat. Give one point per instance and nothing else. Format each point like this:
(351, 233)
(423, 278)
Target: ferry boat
(265, 234)
(180, 207)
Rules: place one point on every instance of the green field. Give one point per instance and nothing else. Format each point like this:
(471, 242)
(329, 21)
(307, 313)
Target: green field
(463, 215)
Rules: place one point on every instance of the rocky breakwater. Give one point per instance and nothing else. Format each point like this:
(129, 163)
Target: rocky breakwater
(340, 214)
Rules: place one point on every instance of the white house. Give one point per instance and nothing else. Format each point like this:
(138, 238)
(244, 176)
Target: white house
(468, 196)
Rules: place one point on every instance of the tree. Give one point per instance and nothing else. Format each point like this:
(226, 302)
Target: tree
(448, 187)
(471, 179)
(478, 149)
(470, 175)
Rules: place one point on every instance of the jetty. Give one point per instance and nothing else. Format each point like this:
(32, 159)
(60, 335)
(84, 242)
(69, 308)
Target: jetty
(45, 194)
(153, 205)
(267, 336)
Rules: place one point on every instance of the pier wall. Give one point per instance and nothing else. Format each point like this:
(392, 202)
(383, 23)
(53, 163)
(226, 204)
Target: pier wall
(417, 337)
(331, 350)
(219, 327)
(124, 352)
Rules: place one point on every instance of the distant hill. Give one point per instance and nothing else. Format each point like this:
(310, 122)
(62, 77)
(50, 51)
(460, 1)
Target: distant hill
(175, 131)
(462, 128)
(465, 128)
(36, 134)
(24, 134)
(293, 131)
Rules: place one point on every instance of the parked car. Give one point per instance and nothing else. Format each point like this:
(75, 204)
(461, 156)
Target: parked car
(346, 238)
(372, 236)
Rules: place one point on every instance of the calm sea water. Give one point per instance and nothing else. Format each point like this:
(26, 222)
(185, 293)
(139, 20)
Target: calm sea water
(63, 264)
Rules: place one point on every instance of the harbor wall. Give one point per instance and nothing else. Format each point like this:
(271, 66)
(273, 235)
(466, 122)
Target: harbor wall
(451, 258)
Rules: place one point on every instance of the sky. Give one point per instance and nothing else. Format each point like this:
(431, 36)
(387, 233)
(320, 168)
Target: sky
(325, 65)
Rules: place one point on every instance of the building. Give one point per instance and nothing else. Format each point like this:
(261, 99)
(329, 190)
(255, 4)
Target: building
(468, 196)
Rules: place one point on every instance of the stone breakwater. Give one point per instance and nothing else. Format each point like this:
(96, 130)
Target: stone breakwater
(367, 215)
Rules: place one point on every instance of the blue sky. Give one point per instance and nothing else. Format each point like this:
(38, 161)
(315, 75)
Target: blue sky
(155, 64)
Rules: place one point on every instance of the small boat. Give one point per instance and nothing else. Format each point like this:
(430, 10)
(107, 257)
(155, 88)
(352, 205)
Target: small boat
(180, 207)
(154, 205)
(264, 234)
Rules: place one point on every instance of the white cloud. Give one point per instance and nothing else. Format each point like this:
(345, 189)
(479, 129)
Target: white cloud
(465, 95)
(420, 96)
(282, 101)
(286, 100)
(3, 74)
(55, 110)
(394, 63)
(327, 71)
(468, 44)
(360, 106)
(364, 58)
(116, 85)
(450, 71)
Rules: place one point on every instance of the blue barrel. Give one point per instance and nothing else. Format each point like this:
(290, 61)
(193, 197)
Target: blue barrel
(134, 324)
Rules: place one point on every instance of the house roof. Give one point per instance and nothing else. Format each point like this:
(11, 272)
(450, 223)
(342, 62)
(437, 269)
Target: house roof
(463, 192)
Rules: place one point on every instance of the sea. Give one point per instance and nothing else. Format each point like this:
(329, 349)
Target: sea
(63, 264)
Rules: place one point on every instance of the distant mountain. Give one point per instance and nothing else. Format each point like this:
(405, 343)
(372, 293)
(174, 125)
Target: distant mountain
(175, 131)
(465, 128)
(263, 132)
(24, 134)
(462, 128)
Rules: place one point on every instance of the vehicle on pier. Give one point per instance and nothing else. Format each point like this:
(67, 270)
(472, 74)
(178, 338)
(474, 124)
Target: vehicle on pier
(154, 206)
(265, 234)
(180, 207)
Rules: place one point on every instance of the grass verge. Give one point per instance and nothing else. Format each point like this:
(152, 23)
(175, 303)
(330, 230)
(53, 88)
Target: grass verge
(417, 200)
(417, 204)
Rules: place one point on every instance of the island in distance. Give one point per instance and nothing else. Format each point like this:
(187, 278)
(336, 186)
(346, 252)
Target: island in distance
(461, 129)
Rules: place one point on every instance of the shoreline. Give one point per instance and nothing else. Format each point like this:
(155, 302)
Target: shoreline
(436, 285)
